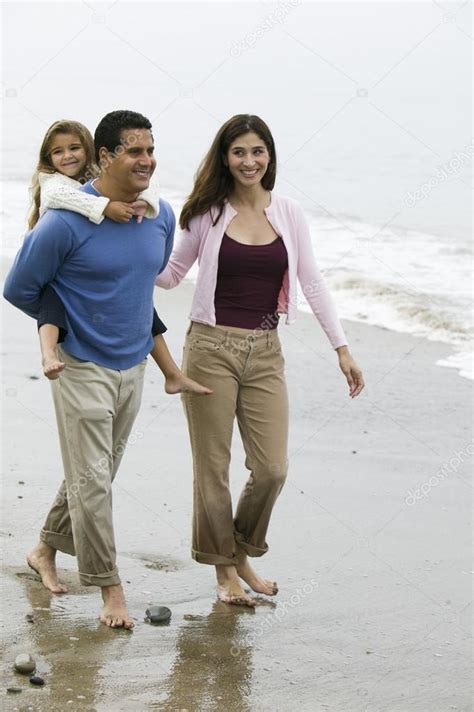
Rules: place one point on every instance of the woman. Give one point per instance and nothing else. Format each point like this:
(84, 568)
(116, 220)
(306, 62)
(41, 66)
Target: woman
(252, 246)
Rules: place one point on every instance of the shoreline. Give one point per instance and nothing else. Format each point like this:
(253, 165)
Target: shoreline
(381, 285)
(456, 357)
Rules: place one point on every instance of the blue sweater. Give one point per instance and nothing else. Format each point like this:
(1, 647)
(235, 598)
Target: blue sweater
(105, 276)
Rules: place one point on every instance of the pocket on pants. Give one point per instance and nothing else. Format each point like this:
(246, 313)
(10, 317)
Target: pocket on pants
(204, 343)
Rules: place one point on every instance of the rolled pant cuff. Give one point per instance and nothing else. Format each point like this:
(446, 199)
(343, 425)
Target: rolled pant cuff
(249, 549)
(213, 559)
(110, 578)
(61, 542)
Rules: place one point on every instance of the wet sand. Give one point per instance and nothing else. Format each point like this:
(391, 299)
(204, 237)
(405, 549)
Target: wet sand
(371, 555)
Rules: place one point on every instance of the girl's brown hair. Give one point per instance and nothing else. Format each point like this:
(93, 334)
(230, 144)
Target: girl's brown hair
(213, 182)
(45, 165)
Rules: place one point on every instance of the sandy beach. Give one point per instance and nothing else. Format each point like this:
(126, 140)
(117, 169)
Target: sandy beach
(370, 544)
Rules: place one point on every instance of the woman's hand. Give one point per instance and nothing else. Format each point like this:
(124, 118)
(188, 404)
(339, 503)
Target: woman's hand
(351, 371)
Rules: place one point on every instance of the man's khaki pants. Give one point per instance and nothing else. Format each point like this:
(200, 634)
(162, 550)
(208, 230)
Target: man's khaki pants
(95, 411)
(245, 371)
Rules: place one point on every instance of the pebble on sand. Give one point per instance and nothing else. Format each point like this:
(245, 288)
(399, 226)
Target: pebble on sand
(36, 680)
(25, 663)
(157, 614)
(14, 689)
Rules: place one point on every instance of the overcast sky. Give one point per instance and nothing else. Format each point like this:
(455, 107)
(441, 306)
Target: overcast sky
(352, 91)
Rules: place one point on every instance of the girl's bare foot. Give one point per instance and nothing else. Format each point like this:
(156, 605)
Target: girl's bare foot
(42, 559)
(52, 366)
(179, 383)
(229, 589)
(256, 583)
(114, 612)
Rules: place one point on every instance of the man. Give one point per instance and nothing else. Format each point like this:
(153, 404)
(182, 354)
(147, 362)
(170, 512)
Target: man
(105, 276)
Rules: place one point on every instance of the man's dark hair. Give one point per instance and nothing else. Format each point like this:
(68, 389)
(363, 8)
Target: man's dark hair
(108, 132)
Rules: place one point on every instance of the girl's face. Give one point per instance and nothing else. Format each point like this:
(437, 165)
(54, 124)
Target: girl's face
(248, 159)
(68, 155)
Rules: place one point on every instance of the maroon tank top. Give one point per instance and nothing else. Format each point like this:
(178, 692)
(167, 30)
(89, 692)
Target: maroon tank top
(249, 279)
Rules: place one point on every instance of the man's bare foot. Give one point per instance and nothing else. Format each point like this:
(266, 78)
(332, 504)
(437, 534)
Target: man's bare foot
(229, 589)
(42, 559)
(52, 366)
(256, 583)
(114, 612)
(179, 383)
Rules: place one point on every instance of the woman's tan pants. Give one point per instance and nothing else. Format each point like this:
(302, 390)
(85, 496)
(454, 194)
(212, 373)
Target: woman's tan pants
(245, 371)
(95, 411)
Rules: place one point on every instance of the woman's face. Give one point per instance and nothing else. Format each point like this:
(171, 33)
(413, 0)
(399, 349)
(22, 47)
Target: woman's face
(248, 159)
(67, 155)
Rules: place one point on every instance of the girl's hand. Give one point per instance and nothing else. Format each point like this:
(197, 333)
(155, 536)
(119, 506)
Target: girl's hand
(118, 211)
(139, 209)
(351, 371)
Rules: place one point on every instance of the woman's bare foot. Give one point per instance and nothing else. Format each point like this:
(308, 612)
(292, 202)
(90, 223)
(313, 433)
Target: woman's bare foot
(179, 383)
(229, 589)
(52, 366)
(256, 583)
(42, 559)
(114, 612)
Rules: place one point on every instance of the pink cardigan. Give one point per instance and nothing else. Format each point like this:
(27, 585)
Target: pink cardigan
(203, 240)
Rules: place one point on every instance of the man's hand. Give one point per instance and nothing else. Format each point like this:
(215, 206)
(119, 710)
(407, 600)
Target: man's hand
(351, 371)
(119, 212)
(52, 365)
(139, 209)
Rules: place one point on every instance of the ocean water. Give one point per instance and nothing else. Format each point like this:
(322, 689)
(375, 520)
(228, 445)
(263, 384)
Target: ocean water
(424, 290)
(369, 104)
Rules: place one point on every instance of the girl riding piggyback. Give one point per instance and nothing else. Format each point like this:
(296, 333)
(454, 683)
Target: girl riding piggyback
(66, 161)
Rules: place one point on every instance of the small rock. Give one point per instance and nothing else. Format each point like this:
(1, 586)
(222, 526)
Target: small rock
(21, 482)
(157, 614)
(72, 637)
(36, 680)
(30, 617)
(33, 378)
(25, 663)
(14, 689)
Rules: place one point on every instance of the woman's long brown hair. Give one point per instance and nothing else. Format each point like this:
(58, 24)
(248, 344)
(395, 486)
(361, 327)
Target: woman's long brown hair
(213, 182)
(44, 164)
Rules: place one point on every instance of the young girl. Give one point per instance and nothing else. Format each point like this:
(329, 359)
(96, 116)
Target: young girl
(252, 245)
(66, 161)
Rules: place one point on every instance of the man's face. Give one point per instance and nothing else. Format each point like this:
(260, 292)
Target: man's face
(133, 162)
